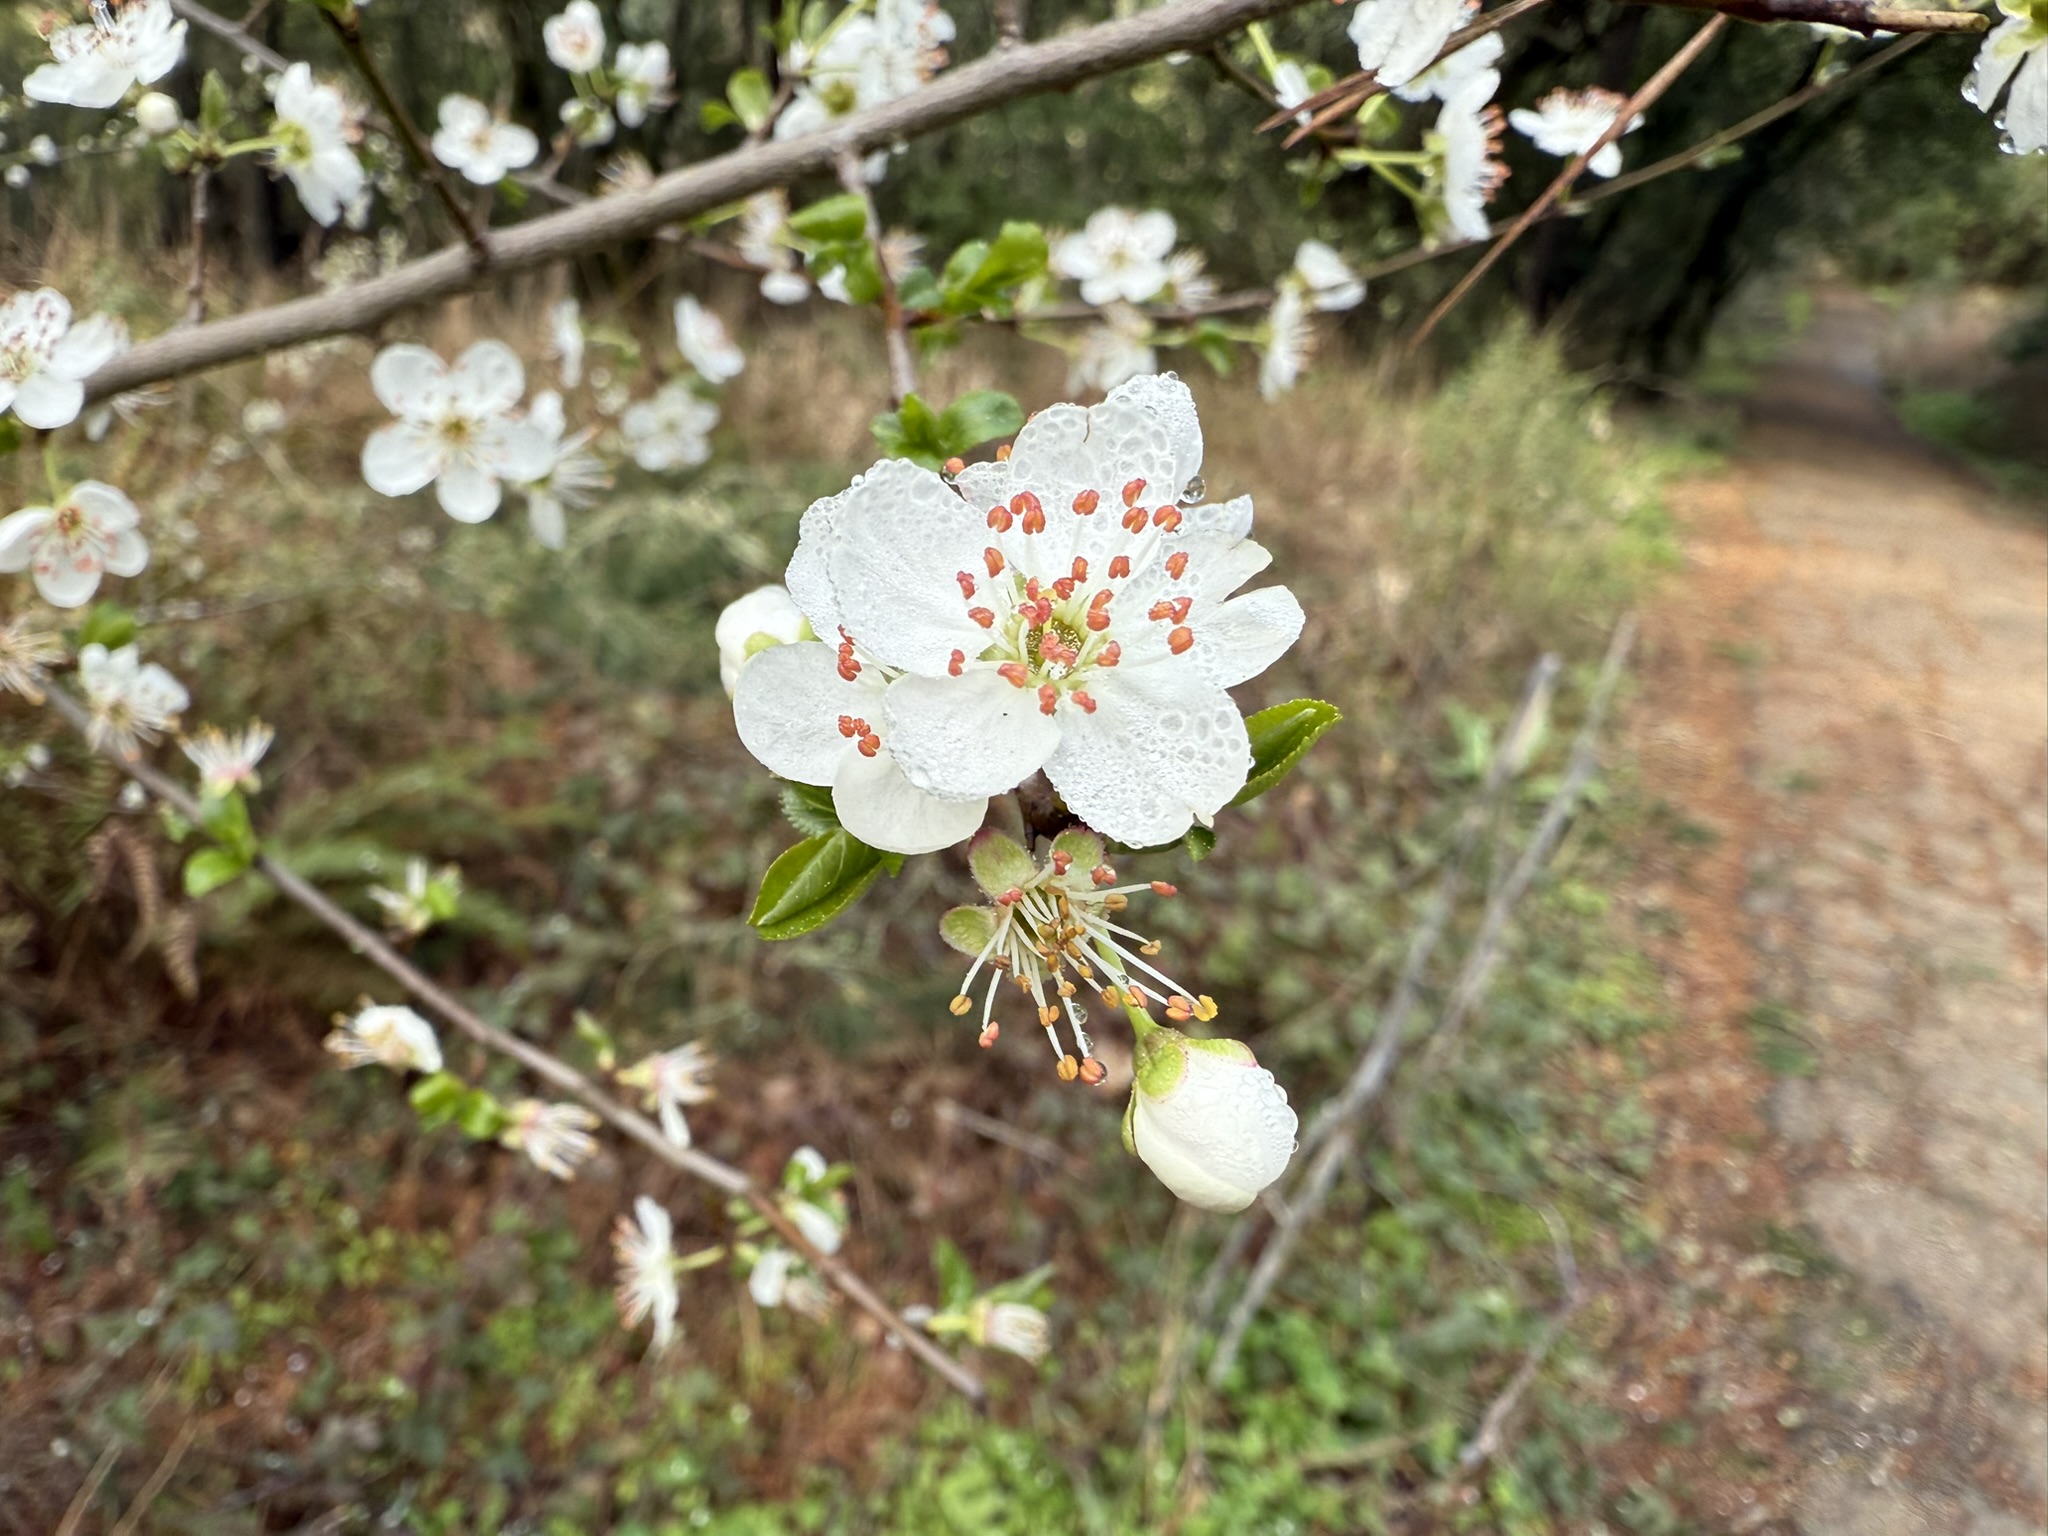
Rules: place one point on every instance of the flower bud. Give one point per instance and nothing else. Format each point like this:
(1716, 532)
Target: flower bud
(158, 115)
(1207, 1119)
(765, 617)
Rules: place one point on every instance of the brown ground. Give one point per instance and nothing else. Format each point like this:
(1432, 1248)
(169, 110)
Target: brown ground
(1846, 710)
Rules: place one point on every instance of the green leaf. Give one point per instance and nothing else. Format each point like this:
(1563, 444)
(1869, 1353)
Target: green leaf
(911, 432)
(750, 96)
(1213, 342)
(714, 115)
(107, 624)
(1280, 736)
(481, 1116)
(226, 820)
(598, 1038)
(809, 809)
(957, 1284)
(813, 883)
(834, 221)
(984, 274)
(438, 1099)
(1200, 843)
(211, 868)
(976, 417)
(216, 107)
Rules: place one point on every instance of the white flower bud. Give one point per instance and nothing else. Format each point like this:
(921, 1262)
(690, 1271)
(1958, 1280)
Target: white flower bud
(158, 114)
(765, 617)
(1208, 1119)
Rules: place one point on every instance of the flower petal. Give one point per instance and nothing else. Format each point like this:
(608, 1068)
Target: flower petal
(545, 517)
(109, 508)
(882, 808)
(88, 346)
(409, 380)
(487, 380)
(128, 554)
(966, 737)
(1163, 750)
(69, 579)
(47, 401)
(402, 458)
(467, 493)
(899, 537)
(19, 534)
(1247, 635)
(786, 706)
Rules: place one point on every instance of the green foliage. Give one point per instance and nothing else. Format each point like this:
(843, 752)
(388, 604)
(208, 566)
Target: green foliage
(914, 432)
(816, 881)
(1281, 737)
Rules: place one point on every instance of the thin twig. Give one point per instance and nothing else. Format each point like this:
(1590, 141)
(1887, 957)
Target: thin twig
(895, 334)
(1486, 1443)
(604, 223)
(951, 1112)
(1651, 89)
(552, 1070)
(1854, 15)
(131, 1522)
(82, 1500)
(348, 30)
(235, 33)
(195, 286)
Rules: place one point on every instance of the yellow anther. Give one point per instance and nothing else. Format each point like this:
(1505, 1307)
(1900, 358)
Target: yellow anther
(960, 1004)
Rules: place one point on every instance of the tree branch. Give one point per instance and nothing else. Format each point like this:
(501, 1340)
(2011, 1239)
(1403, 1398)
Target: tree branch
(1181, 26)
(1648, 93)
(1854, 15)
(195, 285)
(895, 334)
(551, 1070)
(232, 33)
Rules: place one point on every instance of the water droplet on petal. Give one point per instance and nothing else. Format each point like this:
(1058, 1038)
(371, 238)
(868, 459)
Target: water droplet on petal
(1193, 491)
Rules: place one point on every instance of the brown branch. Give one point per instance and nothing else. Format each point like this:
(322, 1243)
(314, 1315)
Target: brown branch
(1854, 15)
(895, 333)
(958, 94)
(234, 33)
(348, 30)
(1485, 1444)
(552, 1070)
(195, 286)
(1650, 90)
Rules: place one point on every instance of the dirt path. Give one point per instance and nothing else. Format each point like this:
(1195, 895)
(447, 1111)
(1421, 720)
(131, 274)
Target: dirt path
(1846, 712)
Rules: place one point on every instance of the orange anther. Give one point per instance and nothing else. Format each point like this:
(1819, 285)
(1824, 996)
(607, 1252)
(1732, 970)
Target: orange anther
(1063, 588)
(966, 583)
(1135, 520)
(993, 559)
(1093, 1071)
(1119, 567)
(1180, 607)
(1062, 861)
(1167, 518)
(870, 744)
(1132, 492)
(1048, 698)
(847, 727)
(1098, 619)
(1068, 1069)
(1159, 610)
(1164, 888)
(957, 664)
(999, 519)
(1087, 703)
(1102, 874)
(1003, 454)
(1180, 640)
(1015, 673)
(955, 464)
(982, 617)
(1177, 564)
(988, 1035)
(1086, 503)
(1112, 653)
(848, 667)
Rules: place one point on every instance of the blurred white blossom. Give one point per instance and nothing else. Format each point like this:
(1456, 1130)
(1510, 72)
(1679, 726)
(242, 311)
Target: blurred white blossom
(157, 114)
(1328, 277)
(1399, 39)
(228, 762)
(429, 896)
(575, 38)
(27, 652)
(706, 344)
(474, 143)
(95, 63)
(67, 548)
(456, 428)
(669, 430)
(647, 1270)
(565, 339)
(1467, 136)
(556, 1137)
(2016, 50)
(386, 1035)
(669, 1081)
(644, 77)
(1290, 339)
(45, 359)
(575, 476)
(1117, 349)
(314, 134)
(1566, 123)
(1117, 254)
(1476, 58)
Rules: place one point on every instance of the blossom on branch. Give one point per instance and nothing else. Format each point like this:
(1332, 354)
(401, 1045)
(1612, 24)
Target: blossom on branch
(644, 77)
(2017, 51)
(67, 548)
(1328, 277)
(647, 1270)
(131, 701)
(1290, 340)
(556, 1137)
(474, 143)
(864, 61)
(1117, 254)
(574, 475)
(1118, 349)
(669, 1080)
(1466, 137)
(706, 344)
(575, 39)
(565, 339)
(95, 63)
(1477, 58)
(765, 617)
(314, 134)
(1398, 39)
(1207, 1119)
(27, 652)
(228, 762)
(456, 428)
(45, 359)
(385, 1035)
(669, 430)
(1566, 123)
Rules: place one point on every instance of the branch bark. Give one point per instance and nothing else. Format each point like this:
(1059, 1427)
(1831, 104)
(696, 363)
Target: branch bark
(232, 33)
(553, 1071)
(989, 82)
(1855, 15)
(895, 333)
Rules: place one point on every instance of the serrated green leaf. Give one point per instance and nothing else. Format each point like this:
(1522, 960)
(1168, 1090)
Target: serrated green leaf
(750, 96)
(910, 432)
(809, 809)
(834, 220)
(976, 417)
(216, 107)
(1279, 737)
(984, 274)
(211, 868)
(813, 883)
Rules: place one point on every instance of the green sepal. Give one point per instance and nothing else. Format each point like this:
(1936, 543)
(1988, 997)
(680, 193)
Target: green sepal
(598, 1038)
(211, 868)
(1130, 1115)
(809, 809)
(1279, 737)
(1085, 848)
(1200, 843)
(999, 862)
(1213, 343)
(815, 881)
(1161, 1061)
(226, 820)
(445, 1099)
(968, 929)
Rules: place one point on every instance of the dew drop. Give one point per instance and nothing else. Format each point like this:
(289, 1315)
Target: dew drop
(1193, 491)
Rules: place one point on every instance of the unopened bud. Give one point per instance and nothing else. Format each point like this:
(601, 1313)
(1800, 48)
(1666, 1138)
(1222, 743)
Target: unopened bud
(158, 115)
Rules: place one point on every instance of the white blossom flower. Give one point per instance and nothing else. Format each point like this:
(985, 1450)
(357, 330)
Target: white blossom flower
(1207, 1119)
(1398, 39)
(157, 114)
(1291, 88)
(556, 1137)
(228, 762)
(590, 123)
(2016, 50)
(574, 474)
(671, 1079)
(766, 616)
(1080, 624)
(27, 652)
(1117, 255)
(1328, 277)
(96, 62)
(1188, 282)
(647, 1270)
(806, 1166)
(867, 60)
(706, 344)
(1479, 57)
(1467, 135)
(768, 1280)
(1118, 349)
(16, 176)
(45, 359)
(455, 430)
(644, 77)
(386, 1035)
(760, 243)
(67, 548)
(1073, 893)
(1290, 340)
(131, 701)
(1566, 123)
(823, 1226)
(1011, 1326)
(477, 145)
(575, 38)
(670, 429)
(428, 897)
(565, 339)
(314, 130)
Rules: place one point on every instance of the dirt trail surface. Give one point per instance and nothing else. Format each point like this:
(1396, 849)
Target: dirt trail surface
(1846, 713)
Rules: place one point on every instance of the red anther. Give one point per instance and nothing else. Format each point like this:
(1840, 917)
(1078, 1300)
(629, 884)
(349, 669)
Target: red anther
(957, 664)
(1015, 673)
(1063, 588)
(982, 617)
(1175, 1014)
(1132, 492)
(1031, 589)
(1092, 1071)
(966, 583)
(955, 464)
(1103, 598)
(870, 744)
(1039, 612)
(1177, 564)
(999, 518)
(848, 726)
(1098, 619)
(1082, 698)
(1086, 503)
(1135, 520)
(1159, 610)
(1119, 567)
(1048, 698)
(1029, 510)
(1003, 454)
(1080, 569)
(989, 1034)
(1112, 653)
(1062, 861)
(1180, 640)
(1164, 888)
(1180, 606)
(1167, 518)
(848, 667)
(1102, 874)
(993, 559)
